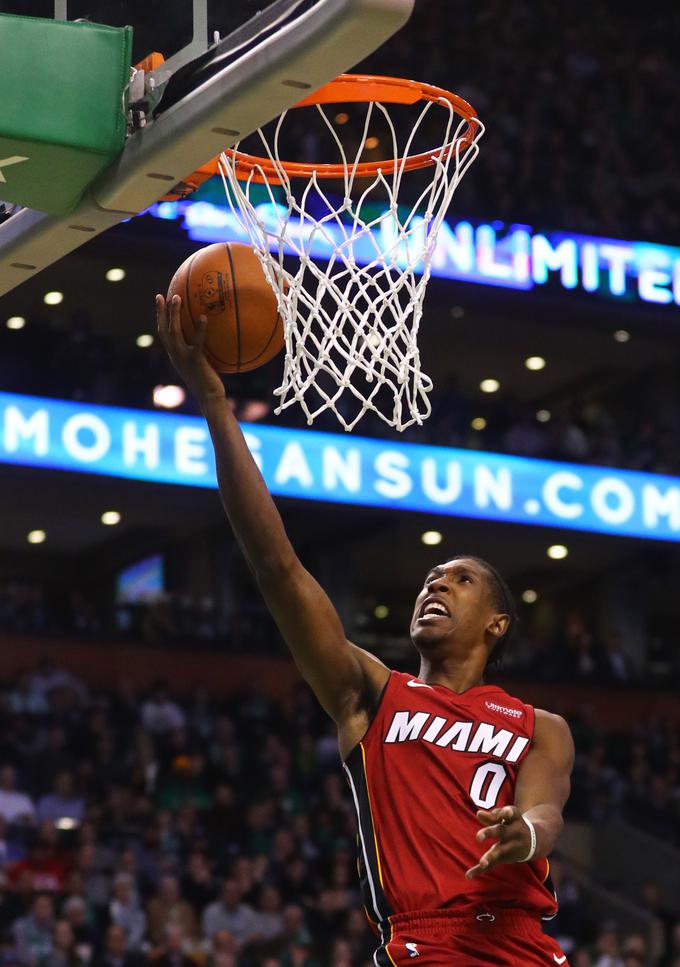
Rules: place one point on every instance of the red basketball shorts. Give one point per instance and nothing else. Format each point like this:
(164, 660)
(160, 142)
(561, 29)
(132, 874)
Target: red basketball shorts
(443, 939)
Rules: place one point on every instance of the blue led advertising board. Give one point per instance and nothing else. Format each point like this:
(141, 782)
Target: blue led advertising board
(304, 464)
(488, 253)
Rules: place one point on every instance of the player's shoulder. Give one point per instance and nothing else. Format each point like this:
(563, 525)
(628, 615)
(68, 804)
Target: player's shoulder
(553, 730)
(496, 699)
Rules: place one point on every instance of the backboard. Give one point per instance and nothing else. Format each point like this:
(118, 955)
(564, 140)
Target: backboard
(230, 68)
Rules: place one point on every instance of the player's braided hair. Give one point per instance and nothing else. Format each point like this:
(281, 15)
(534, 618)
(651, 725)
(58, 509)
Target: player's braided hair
(503, 600)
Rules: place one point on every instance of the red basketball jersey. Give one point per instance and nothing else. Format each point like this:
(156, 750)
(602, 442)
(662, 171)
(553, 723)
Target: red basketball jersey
(428, 761)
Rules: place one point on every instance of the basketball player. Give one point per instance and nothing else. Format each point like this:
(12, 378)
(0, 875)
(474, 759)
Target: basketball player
(458, 786)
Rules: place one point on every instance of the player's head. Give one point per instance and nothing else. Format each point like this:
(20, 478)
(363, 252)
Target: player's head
(464, 605)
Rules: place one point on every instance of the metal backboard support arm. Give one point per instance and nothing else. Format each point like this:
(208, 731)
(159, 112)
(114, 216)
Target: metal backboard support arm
(327, 38)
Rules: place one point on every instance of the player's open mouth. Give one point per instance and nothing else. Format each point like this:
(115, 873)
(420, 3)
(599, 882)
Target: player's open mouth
(434, 609)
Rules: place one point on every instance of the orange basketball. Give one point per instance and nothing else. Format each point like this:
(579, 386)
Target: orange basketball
(225, 283)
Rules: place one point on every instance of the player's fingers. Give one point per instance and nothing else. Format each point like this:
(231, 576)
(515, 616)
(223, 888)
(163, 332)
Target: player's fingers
(488, 817)
(490, 831)
(161, 317)
(484, 864)
(174, 324)
(499, 853)
(485, 861)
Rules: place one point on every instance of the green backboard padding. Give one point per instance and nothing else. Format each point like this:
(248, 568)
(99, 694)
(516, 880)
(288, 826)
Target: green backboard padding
(63, 107)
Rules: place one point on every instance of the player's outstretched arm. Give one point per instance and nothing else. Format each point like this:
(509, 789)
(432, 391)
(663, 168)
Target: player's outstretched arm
(541, 791)
(345, 679)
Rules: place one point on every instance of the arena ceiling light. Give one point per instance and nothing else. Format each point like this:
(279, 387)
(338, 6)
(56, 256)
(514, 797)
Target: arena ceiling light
(341, 118)
(36, 537)
(144, 340)
(621, 335)
(168, 397)
(557, 552)
(478, 423)
(534, 363)
(489, 386)
(115, 275)
(15, 322)
(431, 538)
(53, 298)
(543, 416)
(529, 596)
(254, 410)
(110, 518)
(66, 822)
(381, 611)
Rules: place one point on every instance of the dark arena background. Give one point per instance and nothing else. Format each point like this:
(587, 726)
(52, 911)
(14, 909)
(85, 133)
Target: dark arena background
(170, 791)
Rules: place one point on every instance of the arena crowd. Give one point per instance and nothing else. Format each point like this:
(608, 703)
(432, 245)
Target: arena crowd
(141, 830)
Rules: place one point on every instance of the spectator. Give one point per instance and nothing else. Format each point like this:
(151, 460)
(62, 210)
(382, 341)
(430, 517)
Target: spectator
(269, 914)
(33, 934)
(223, 950)
(230, 913)
(96, 884)
(76, 913)
(48, 678)
(11, 847)
(198, 884)
(116, 952)
(64, 951)
(174, 952)
(15, 806)
(160, 714)
(126, 913)
(62, 803)
(615, 663)
(43, 862)
(607, 952)
(295, 929)
(168, 908)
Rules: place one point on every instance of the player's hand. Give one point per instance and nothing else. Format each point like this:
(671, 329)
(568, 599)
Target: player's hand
(188, 358)
(513, 839)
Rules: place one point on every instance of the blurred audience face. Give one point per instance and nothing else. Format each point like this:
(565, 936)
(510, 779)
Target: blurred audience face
(86, 857)
(230, 895)
(608, 942)
(270, 900)
(293, 918)
(75, 910)
(174, 938)
(43, 909)
(116, 943)
(123, 888)
(223, 942)
(63, 935)
(169, 889)
(63, 785)
(8, 779)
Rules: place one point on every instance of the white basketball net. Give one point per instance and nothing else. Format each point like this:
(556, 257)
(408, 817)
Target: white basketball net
(351, 329)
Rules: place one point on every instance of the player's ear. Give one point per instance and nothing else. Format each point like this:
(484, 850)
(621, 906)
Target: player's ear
(498, 625)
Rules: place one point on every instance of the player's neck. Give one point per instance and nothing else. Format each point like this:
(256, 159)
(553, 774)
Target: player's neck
(458, 674)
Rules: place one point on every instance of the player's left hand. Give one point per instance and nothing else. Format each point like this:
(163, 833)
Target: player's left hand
(506, 825)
